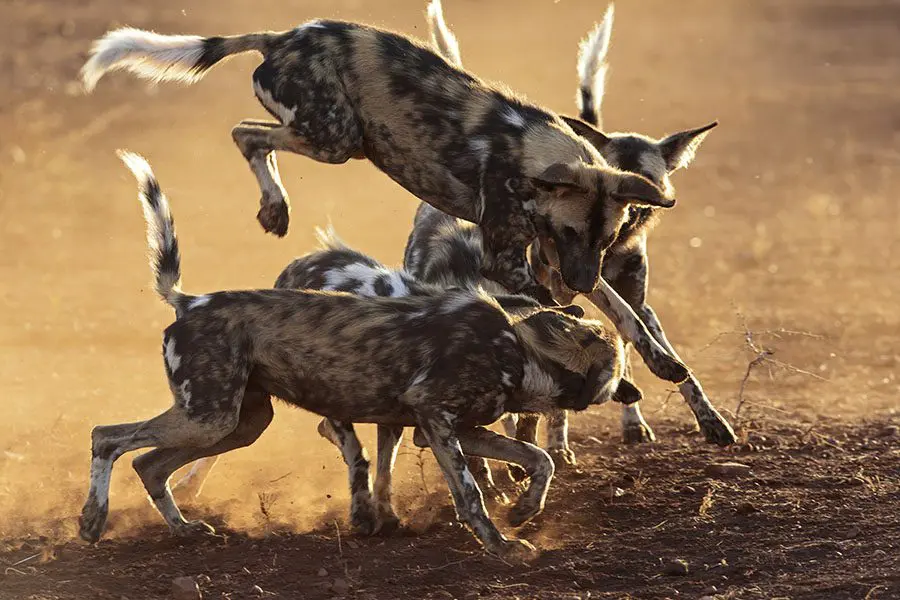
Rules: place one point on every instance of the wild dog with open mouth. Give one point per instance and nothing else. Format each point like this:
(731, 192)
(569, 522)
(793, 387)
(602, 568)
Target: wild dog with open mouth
(344, 90)
(625, 264)
(446, 364)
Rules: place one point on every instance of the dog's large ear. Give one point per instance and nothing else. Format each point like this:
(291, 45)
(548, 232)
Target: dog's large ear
(678, 149)
(639, 191)
(573, 310)
(561, 176)
(597, 138)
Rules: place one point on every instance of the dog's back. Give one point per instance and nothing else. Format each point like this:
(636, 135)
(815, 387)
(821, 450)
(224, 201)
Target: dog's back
(447, 252)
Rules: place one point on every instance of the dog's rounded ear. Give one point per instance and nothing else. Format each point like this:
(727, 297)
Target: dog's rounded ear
(639, 191)
(560, 177)
(678, 149)
(573, 310)
(597, 138)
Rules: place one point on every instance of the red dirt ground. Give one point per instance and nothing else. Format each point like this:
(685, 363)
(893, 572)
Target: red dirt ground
(786, 223)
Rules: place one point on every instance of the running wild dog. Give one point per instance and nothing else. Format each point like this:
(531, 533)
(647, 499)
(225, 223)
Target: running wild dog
(448, 255)
(446, 364)
(625, 264)
(471, 149)
(336, 267)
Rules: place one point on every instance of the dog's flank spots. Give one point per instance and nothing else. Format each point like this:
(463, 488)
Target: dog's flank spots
(173, 360)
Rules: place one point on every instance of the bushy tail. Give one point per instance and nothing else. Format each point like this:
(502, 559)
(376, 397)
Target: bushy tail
(157, 57)
(165, 259)
(441, 37)
(592, 68)
(329, 240)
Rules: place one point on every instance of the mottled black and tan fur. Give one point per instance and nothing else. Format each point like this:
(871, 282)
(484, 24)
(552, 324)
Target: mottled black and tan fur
(344, 90)
(625, 264)
(447, 364)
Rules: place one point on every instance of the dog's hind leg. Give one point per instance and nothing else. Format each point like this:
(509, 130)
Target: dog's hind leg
(173, 428)
(526, 431)
(388, 443)
(317, 120)
(258, 141)
(481, 471)
(156, 467)
(191, 484)
(558, 439)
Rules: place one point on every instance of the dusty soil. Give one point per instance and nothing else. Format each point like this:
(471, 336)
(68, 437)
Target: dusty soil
(786, 225)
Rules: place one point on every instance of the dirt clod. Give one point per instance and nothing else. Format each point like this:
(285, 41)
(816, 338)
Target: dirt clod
(185, 588)
(322, 572)
(677, 567)
(340, 586)
(727, 469)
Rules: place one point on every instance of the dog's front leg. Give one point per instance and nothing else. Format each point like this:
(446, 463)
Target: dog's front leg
(439, 431)
(712, 424)
(507, 231)
(537, 465)
(629, 275)
(630, 327)
(362, 510)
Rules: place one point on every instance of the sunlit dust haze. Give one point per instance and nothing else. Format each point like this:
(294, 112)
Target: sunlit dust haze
(785, 220)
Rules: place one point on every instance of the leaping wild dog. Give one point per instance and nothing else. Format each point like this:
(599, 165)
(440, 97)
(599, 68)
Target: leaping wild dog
(472, 149)
(625, 263)
(447, 364)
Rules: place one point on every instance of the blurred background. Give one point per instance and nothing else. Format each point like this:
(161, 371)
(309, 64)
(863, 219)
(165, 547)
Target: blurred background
(786, 220)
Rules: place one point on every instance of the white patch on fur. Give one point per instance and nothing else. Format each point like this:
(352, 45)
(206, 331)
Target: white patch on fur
(529, 206)
(199, 301)
(399, 288)
(101, 473)
(510, 335)
(365, 276)
(419, 378)
(144, 53)
(513, 117)
(506, 379)
(184, 392)
(285, 114)
(173, 360)
(480, 147)
(468, 480)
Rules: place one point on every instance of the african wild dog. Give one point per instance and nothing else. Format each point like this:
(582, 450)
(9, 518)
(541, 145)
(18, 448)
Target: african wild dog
(625, 263)
(337, 267)
(472, 149)
(446, 364)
